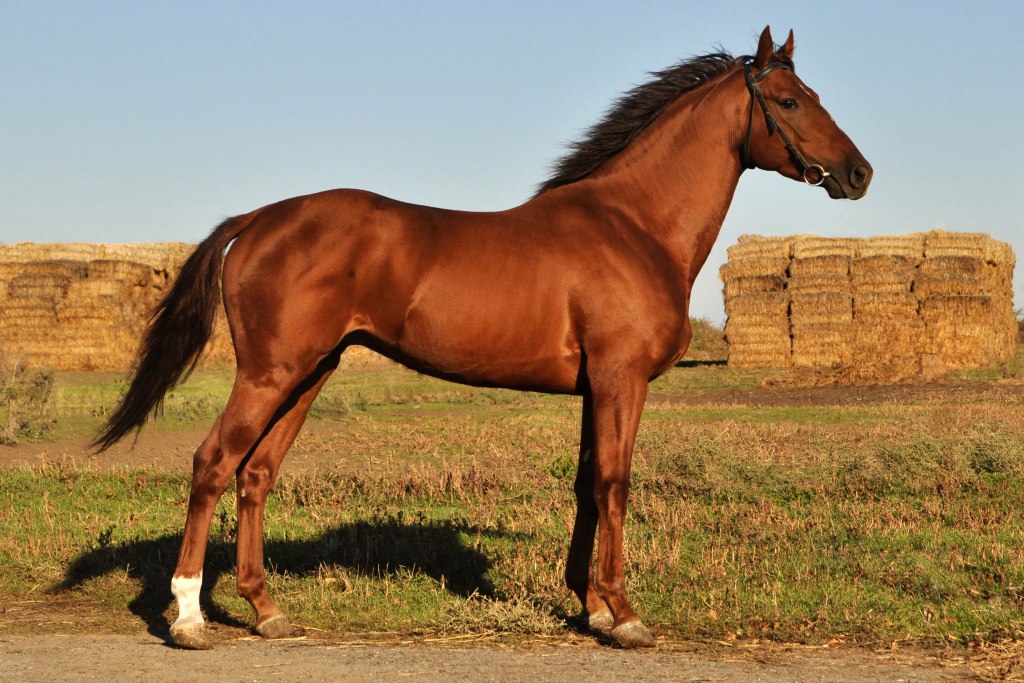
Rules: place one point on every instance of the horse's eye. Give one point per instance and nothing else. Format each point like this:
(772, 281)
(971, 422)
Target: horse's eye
(789, 104)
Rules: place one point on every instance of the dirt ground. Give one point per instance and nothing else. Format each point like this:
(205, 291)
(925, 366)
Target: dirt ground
(142, 657)
(68, 645)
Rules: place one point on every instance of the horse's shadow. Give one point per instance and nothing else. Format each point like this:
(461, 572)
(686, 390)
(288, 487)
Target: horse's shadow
(378, 548)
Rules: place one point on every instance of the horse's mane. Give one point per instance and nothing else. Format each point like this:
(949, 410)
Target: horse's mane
(633, 112)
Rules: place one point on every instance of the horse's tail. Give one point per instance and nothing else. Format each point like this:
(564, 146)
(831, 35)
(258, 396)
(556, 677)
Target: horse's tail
(179, 328)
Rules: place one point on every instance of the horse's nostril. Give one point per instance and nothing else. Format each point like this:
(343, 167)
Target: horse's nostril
(859, 176)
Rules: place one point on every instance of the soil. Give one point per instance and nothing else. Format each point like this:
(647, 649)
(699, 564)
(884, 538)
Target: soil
(49, 640)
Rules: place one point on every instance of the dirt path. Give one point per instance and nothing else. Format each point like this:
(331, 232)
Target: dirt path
(79, 657)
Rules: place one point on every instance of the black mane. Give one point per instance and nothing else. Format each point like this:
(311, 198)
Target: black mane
(633, 112)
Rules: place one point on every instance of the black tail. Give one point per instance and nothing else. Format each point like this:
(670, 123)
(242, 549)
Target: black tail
(179, 328)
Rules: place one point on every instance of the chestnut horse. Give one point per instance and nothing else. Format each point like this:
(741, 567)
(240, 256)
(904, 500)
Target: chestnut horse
(584, 289)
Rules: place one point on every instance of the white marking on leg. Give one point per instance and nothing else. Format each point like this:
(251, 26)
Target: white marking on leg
(186, 590)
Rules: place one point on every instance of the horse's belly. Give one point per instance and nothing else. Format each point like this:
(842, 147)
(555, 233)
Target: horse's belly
(492, 347)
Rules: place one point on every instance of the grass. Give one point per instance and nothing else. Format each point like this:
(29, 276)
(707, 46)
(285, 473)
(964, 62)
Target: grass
(451, 513)
(450, 509)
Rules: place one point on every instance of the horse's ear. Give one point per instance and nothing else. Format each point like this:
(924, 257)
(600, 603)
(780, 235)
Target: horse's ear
(765, 49)
(787, 47)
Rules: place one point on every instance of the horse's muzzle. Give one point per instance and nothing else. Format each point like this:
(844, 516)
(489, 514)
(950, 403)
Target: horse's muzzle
(850, 184)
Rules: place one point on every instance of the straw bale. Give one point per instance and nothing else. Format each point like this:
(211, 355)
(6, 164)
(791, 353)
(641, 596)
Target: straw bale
(942, 243)
(821, 344)
(1000, 253)
(757, 331)
(821, 307)
(754, 266)
(754, 284)
(900, 301)
(899, 307)
(138, 274)
(761, 247)
(910, 246)
(160, 255)
(962, 276)
(818, 282)
(882, 273)
(956, 310)
(831, 264)
(811, 246)
(746, 357)
(85, 306)
(763, 304)
(877, 338)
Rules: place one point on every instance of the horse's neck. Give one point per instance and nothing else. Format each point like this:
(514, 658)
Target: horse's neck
(680, 175)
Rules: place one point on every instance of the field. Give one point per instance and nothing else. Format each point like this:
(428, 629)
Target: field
(765, 506)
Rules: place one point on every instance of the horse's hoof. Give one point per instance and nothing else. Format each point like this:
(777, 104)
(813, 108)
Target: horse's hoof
(601, 621)
(191, 636)
(633, 634)
(278, 626)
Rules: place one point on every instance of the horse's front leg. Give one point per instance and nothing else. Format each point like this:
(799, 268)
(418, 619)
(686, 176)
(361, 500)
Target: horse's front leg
(618, 406)
(579, 572)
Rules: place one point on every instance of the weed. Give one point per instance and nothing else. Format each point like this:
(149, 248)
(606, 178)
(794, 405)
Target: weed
(26, 407)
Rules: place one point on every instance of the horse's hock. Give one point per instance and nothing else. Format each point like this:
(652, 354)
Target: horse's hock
(918, 303)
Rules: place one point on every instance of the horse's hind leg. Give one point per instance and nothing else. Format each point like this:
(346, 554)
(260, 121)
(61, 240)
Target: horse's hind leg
(253, 484)
(252, 405)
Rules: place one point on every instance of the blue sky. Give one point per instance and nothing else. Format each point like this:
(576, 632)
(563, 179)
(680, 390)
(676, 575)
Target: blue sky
(145, 121)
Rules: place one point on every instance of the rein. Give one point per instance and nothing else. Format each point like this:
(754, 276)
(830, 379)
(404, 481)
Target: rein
(812, 174)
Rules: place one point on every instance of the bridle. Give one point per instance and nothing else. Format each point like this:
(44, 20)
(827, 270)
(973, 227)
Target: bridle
(812, 174)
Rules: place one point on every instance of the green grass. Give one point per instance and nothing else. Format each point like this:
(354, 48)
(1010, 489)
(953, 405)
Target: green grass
(450, 512)
(795, 529)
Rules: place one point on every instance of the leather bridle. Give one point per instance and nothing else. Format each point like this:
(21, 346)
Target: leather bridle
(812, 174)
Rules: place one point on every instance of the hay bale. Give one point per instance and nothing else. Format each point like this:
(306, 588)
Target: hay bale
(757, 246)
(921, 300)
(754, 284)
(811, 246)
(821, 344)
(763, 305)
(827, 264)
(754, 266)
(85, 306)
(961, 276)
(882, 273)
(885, 306)
(910, 246)
(942, 243)
(818, 282)
(821, 307)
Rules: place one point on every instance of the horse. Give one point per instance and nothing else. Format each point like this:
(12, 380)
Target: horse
(584, 289)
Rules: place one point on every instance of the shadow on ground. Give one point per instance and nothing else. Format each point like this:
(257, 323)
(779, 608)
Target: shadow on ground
(378, 548)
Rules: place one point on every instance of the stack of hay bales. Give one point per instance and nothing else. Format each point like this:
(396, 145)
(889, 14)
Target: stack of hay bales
(966, 298)
(888, 328)
(932, 299)
(756, 301)
(821, 305)
(85, 306)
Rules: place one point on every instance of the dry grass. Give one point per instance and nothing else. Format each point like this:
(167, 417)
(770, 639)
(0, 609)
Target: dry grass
(875, 522)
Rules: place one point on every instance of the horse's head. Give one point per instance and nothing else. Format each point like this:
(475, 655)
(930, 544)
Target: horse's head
(790, 132)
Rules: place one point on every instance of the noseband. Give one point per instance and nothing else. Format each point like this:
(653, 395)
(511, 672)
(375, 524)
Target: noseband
(812, 174)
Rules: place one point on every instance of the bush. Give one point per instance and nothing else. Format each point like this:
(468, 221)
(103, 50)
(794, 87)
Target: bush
(26, 406)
